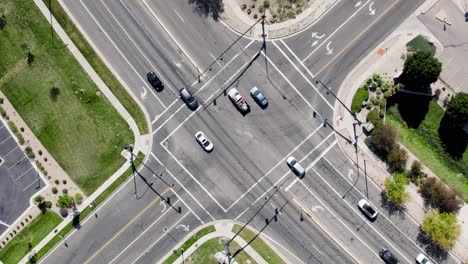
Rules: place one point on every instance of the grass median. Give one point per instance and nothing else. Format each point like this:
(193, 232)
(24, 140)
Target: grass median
(29, 237)
(57, 99)
(99, 66)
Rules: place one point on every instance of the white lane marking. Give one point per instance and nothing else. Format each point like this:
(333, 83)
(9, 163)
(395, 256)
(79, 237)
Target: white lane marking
(289, 82)
(371, 10)
(282, 247)
(144, 93)
(31, 184)
(274, 167)
(315, 35)
(214, 58)
(205, 85)
(120, 52)
(159, 116)
(329, 49)
(166, 84)
(303, 76)
(185, 189)
(315, 43)
(350, 173)
(297, 58)
(375, 207)
(177, 13)
(193, 177)
(339, 220)
(5, 224)
(170, 34)
(312, 164)
(286, 174)
(186, 228)
(336, 30)
(360, 215)
(138, 237)
(161, 237)
(317, 208)
(243, 212)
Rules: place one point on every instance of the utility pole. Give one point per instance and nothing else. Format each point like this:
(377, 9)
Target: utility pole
(129, 148)
(264, 40)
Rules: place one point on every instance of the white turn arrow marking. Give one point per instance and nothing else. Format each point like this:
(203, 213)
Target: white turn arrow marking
(329, 50)
(317, 208)
(315, 35)
(358, 4)
(371, 10)
(185, 227)
(350, 173)
(314, 43)
(161, 202)
(143, 94)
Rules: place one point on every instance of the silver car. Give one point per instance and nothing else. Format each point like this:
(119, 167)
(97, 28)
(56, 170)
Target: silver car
(422, 259)
(367, 209)
(296, 167)
(203, 141)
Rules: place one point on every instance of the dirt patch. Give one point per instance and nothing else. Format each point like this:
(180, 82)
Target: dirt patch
(276, 11)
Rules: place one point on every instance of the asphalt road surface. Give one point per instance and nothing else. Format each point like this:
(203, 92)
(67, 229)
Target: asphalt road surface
(247, 169)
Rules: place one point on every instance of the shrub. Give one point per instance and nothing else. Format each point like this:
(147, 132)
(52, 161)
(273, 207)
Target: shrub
(29, 152)
(54, 190)
(437, 94)
(442, 228)
(395, 189)
(1, 100)
(415, 171)
(38, 199)
(385, 87)
(266, 3)
(369, 105)
(383, 103)
(48, 204)
(374, 118)
(78, 198)
(244, 6)
(30, 58)
(383, 140)
(388, 93)
(3, 22)
(360, 96)
(261, 9)
(57, 182)
(2, 112)
(375, 101)
(39, 152)
(65, 191)
(377, 79)
(64, 181)
(65, 201)
(54, 93)
(437, 195)
(397, 159)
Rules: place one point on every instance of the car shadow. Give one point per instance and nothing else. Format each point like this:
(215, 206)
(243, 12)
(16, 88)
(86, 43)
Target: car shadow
(431, 248)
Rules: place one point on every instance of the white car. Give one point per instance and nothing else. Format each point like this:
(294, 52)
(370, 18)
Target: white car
(204, 142)
(367, 209)
(422, 259)
(296, 167)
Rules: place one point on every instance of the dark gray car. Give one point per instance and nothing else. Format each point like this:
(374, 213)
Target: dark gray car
(259, 97)
(188, 98)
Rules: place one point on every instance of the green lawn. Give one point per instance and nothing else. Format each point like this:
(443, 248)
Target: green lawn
(98, 65)
(425, 144)
(206, 252)
(361, 95)
(259, 245)
(79, 128)
(33, 234)
(189, 243)
(421, 43)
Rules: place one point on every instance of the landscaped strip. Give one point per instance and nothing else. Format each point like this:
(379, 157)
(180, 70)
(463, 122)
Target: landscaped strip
(98, 65)
(57, 99)
(189, 243)
(205, 253)
(100, 199)
(259, 246)
(29, 237)
(416, 140)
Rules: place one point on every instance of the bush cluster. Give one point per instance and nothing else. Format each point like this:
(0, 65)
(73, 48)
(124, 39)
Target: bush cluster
(439, 196)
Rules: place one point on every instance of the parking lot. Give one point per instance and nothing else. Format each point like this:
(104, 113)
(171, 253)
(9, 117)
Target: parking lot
(19, 180)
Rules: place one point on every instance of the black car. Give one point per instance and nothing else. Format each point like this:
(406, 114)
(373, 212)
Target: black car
(155, 81)
(388, 257)
(188, 98)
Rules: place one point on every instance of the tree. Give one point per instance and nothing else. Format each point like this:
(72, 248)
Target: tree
(383, 140)
(416, 170)
(208, 7)
(38, 199)
(421, 68)
(397, 159)
(65, 201)
(395, 189)
(442, 228)
(437, 195)
(457, 109)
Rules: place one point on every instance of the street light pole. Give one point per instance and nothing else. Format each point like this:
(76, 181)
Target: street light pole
(129, 148)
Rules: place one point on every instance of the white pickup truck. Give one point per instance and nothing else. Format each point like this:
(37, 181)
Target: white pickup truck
(235, 97)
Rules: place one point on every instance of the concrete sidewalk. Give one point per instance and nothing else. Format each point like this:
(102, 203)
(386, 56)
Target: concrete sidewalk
(387, 59)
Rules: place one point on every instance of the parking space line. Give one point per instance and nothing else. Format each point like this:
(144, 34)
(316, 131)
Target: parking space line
(138, 48)
(274, 167)
(24, 173)
(357, 37)
(120, 52)
(204, 86)
(5, 224)
(303, 76)
(142, 233)
(161, 237)
(17, 163)
(375, 207)
(154, 156)
(17, 146)
(282, 177)
(37, 179)
(359, 214)
(127, 225)
(9, 136)
(336, 30)
(193, 177)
